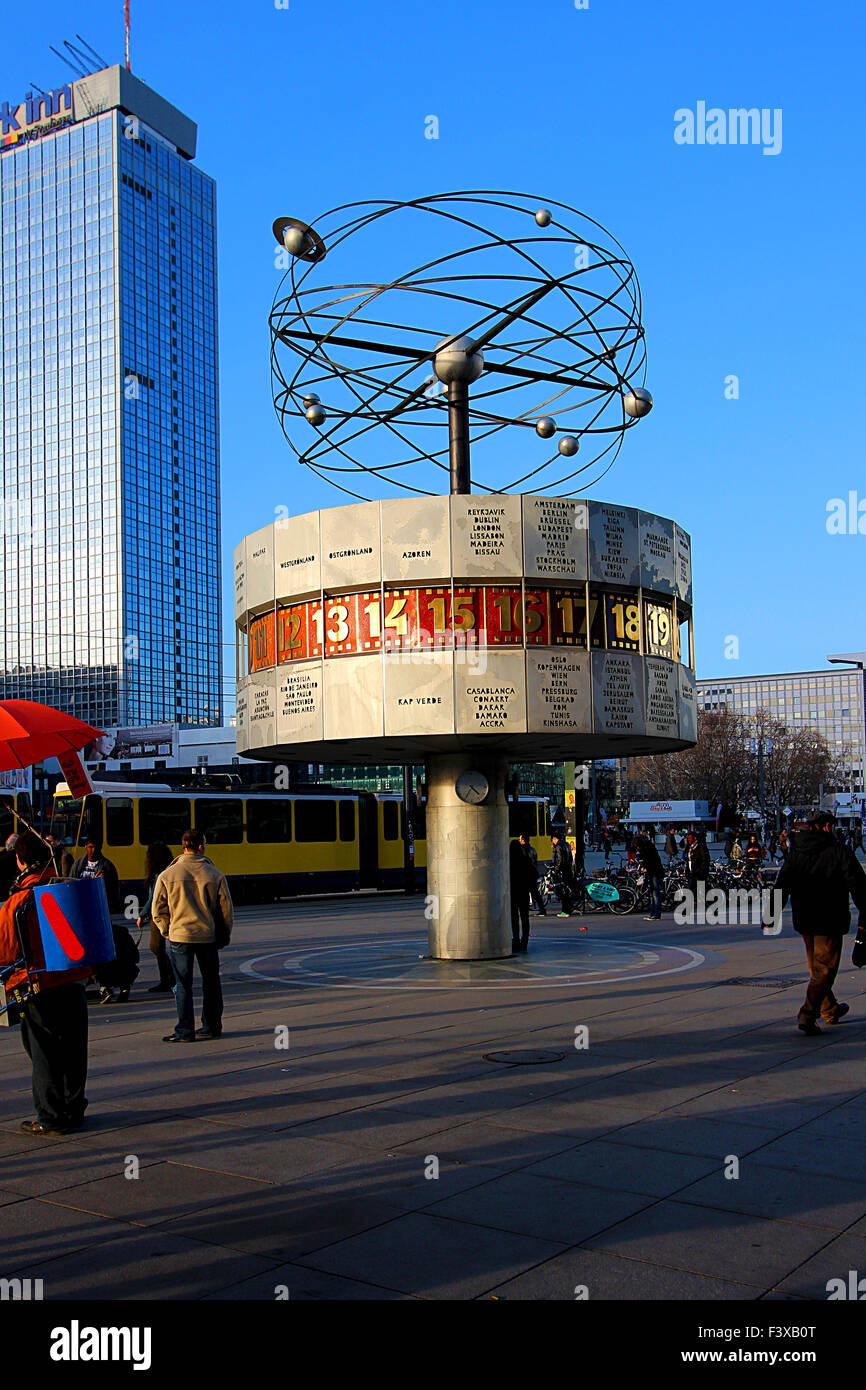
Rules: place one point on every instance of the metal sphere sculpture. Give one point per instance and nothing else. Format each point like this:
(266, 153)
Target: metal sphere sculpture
(536, 307)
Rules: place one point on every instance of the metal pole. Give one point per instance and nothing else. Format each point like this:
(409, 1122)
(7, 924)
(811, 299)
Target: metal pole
(408, 835)
(761, 781)
(458, 436)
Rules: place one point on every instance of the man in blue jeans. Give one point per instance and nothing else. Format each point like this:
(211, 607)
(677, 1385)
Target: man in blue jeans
(192, 906)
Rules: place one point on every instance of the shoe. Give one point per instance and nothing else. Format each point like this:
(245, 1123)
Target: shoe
(161, 989)
(840, 1013)
(173, 1037)
(810, 1029)
(105, 996)
(123, 997)
(563, 914)
(206, 1035)
(37, 1127)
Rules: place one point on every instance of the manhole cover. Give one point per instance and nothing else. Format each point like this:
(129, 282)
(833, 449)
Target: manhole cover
(525, 1058)
(769, 982)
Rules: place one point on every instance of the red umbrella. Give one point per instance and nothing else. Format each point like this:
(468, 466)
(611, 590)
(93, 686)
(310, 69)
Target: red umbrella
(30, 733)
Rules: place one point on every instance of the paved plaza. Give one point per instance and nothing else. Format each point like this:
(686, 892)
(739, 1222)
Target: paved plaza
(628, 1111)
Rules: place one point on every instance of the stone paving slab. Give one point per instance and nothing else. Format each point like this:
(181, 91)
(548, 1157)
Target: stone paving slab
(626, 1168)
(532, 1204)
(145, 1264)
(434, 1258)
(707, 1241)
(606, 1276)
(310, 1167)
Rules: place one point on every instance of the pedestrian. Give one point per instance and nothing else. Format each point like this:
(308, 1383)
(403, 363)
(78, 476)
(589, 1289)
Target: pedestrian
(122, 972)
(563, 871)
(754, 853)
(698, 865)
(736, 850)
(773, 844)
(192, 907)
(651, 860)
(607, 846)
(729, 844)
(93, 864)
(531, 854)
(522, 876)
(53, 1021)
(671, 845)
(818, 875)
(783, 845)
(157, 858)
(9, 870)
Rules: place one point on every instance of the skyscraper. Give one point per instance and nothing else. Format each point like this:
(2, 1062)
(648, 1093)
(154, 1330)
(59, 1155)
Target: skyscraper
(109, 458)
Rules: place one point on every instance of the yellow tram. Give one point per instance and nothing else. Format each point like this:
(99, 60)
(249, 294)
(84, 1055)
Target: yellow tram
(268, 844)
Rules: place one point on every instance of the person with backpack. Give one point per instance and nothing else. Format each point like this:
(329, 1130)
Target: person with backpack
(192, 907)
(54, 1020)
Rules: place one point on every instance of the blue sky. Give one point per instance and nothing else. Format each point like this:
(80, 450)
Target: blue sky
(749, 263)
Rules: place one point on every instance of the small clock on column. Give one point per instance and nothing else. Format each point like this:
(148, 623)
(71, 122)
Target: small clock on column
(472, 787)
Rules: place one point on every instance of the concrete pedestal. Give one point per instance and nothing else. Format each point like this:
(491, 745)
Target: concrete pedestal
(467, 861)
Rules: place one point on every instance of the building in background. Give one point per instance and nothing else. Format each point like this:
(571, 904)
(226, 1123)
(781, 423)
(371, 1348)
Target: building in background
(829, 702)
(109, 457)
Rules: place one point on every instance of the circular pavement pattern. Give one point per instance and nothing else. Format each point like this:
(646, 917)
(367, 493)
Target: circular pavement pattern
(552, 962)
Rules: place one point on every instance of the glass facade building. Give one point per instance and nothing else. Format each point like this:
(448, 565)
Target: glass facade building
(829, 702)
(109, 462)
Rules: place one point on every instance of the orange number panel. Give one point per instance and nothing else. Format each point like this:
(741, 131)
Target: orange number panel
(261, 642)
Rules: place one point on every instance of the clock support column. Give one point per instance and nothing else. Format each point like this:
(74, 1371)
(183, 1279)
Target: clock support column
(468, 896)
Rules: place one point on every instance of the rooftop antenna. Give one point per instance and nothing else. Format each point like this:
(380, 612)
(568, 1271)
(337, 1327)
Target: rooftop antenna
(98, 56)
(75, 67)
(126, 7)
(83, 58)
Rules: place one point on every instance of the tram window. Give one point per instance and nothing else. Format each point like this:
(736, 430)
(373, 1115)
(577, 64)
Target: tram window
(91, 823)
(24, 807)
(7, 820)
(221, 821)
(269, 822)
(548, 823)
(390, 820)
(163, 818)
(118, 821)
(315, 820)
(521, 818)
(347, 820)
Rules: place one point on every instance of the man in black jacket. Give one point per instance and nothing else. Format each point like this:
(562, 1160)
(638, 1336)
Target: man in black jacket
(818, 875)
(649, 856)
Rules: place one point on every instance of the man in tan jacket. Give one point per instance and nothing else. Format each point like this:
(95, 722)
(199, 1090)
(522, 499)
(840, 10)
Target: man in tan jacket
(192, 907)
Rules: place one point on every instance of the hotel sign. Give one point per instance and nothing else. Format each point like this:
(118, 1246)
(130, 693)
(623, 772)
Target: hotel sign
(37, 114)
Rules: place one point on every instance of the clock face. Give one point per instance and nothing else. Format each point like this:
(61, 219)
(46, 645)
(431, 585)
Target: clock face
(472, 787)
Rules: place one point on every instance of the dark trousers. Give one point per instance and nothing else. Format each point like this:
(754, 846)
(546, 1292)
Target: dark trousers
(656, 886)
(54, 1034)
(823, 954)
(157, 946)
(183, 957)
(535, 895)
(520, 921)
